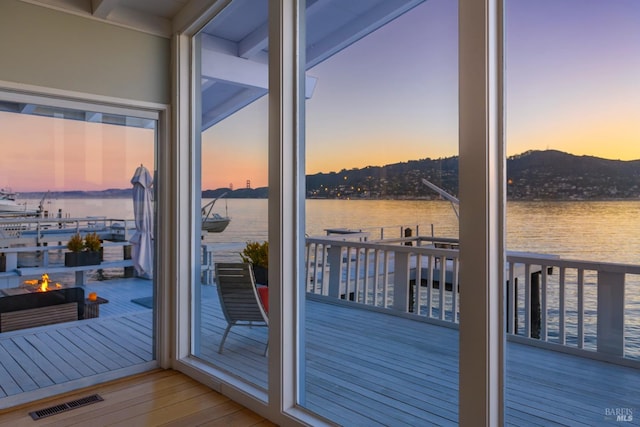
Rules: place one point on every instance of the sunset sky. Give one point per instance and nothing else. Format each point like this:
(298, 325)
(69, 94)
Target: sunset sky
(572, 83)
(41, 153)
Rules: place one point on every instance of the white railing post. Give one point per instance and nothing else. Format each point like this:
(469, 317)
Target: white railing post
(562, 327)
(611, 313)
(543, 304)
(334, 257)
(527, 300)
(512, 307)
(580, 308)
(401, 281)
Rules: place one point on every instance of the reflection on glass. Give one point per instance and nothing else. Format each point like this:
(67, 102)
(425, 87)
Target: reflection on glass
(231, 192)
(571, 219)
(77, 256)
(382, 252)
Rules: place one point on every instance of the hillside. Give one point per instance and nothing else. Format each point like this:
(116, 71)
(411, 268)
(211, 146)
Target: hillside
(533, 175)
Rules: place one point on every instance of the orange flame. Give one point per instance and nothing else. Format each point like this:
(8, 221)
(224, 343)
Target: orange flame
(43, 283)
(44, 286)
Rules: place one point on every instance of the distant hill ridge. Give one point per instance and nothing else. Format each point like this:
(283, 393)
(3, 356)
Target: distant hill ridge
(533, 175)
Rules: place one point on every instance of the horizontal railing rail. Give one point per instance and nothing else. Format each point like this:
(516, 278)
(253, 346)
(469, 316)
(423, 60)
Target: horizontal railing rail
(569, 304)
(37, 231)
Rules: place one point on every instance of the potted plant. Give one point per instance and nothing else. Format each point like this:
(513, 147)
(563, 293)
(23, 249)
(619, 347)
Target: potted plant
(79, 254)
(93, 246)
(92, 242)
(257, 254)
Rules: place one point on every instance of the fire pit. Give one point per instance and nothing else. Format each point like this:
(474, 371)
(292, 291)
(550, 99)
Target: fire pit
(41, 285)
(31, 309)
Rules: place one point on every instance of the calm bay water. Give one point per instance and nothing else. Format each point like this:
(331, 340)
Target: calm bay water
(595, 231)
(604, 231)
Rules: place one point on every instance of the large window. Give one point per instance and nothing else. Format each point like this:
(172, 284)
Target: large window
(571, 105)
(231, 221)
(77, 244)
(383, 117)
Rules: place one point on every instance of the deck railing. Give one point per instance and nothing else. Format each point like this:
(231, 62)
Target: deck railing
(37, 231)
(575, 306)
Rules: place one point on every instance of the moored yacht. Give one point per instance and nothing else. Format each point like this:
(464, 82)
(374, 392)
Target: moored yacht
(9, 206)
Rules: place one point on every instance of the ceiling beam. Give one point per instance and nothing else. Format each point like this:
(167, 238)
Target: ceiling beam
(255, 42)
(258, 39)
(102, 8)
(249, 77)
(230, 106)
(219, 66)
(141, 21)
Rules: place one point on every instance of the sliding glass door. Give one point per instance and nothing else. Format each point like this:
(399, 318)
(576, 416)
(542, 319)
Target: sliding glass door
(77, 244)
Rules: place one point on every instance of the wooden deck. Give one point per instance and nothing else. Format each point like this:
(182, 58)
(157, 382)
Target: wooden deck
(47, 358)
(362, 368)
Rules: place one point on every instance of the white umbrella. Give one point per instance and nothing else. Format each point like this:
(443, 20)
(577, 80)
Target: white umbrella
(142, 240)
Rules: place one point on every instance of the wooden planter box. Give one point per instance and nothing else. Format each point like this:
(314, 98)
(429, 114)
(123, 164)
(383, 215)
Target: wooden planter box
(77, 259)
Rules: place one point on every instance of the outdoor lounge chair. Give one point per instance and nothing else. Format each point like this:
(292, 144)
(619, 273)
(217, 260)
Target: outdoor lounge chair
(239, 298)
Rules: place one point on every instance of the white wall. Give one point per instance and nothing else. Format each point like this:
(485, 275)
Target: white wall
(44, 47)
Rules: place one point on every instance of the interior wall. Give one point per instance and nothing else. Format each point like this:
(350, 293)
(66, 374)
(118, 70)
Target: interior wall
(45, 47)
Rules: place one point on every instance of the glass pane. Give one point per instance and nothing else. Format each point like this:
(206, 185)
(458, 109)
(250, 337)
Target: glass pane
(76, 263)
(382, 253)
(572, 89)
(231, 188)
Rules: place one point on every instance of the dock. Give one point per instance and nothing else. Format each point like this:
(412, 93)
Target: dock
(42, 231)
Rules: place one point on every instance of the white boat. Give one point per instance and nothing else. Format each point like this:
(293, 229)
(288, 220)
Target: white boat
(214, 222)
(9, 206)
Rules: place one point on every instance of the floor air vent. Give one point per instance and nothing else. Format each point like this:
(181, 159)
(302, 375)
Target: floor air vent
(64, 407)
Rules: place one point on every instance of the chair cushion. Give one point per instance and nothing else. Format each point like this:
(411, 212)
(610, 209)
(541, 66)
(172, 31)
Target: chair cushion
(263, 292)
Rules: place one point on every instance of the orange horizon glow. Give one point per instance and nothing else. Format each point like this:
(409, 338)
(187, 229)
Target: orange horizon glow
(51, 154)
(60, 159)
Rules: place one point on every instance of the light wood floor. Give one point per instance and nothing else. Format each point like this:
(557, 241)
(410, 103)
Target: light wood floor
(157, 398)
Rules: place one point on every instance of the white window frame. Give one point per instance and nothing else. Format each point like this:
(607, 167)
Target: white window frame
(482, 195)
(482, 213)
(31, 94)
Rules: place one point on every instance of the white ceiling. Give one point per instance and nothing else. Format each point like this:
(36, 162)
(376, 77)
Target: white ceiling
(235, 42)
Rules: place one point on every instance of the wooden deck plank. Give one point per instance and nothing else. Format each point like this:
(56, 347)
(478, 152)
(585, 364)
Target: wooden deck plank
(92, 353)
(118, 344)
(362, 367)
(55, 363)
(8, 386)
(63, 353)
(139, 344)
(27, 364)
(73, 347)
